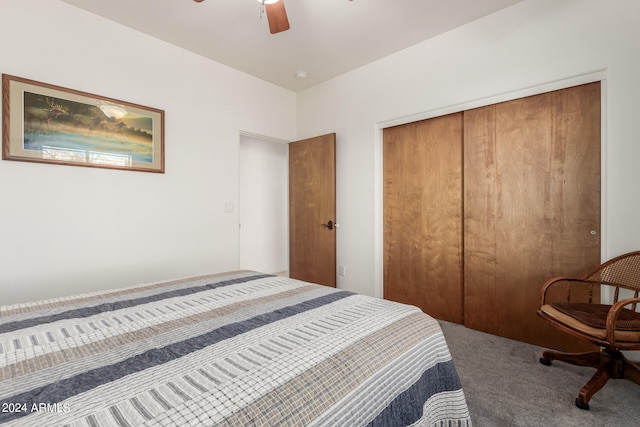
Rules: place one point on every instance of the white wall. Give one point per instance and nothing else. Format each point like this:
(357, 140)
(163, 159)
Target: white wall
(264, 202)
(536, 44)
(67, 229)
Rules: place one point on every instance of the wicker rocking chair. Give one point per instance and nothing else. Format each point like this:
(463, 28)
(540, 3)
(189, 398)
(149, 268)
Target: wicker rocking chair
(613, 327)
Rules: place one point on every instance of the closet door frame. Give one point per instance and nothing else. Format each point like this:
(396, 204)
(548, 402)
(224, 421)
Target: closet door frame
(508, 96)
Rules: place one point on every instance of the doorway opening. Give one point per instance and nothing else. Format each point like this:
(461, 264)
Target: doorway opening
(263, 204)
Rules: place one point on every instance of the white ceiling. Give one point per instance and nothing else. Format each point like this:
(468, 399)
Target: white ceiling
(327, 37)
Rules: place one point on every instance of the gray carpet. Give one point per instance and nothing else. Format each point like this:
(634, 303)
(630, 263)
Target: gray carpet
(505, 385)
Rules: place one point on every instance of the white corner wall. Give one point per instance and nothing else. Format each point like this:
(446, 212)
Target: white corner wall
(533, 44)
(69, 229)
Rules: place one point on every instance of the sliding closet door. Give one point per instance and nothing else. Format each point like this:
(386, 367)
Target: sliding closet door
(532, 207)
(423, 215)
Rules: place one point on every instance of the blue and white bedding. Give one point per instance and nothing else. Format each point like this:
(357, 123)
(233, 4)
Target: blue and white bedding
(233, 349)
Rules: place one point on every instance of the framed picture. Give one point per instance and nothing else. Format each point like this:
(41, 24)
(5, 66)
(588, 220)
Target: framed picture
(51, 124)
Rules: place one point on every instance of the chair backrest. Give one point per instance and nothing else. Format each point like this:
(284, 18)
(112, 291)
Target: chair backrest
(622, 272)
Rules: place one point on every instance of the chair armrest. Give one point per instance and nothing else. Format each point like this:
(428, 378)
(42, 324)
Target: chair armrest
(612, 316)
(557, 280)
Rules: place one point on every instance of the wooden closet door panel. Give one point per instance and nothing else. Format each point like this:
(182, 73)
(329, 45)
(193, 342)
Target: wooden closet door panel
(423, 215)
(532, 207)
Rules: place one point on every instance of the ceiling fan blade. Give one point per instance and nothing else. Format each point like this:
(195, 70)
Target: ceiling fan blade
(277, 17)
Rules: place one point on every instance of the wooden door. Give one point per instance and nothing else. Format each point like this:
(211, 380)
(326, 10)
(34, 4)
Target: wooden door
(423, 215)
(532, 207)
(312, 205)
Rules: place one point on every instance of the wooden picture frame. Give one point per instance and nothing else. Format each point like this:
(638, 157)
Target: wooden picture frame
(52, 124)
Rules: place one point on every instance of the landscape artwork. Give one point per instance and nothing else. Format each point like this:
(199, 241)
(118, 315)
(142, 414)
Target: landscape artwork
(58, 125)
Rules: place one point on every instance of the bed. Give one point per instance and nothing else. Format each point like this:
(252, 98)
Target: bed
(233, 349)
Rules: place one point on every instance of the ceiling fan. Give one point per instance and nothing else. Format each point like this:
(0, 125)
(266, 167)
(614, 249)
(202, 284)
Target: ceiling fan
(276, 15)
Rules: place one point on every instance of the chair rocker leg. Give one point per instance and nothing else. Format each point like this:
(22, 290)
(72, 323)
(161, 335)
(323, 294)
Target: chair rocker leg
(597, 381)
(590, 359)
(607, 364)
(631, 371)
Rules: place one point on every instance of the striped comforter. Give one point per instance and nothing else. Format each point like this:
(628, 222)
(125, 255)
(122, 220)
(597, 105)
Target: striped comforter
(234, 349)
